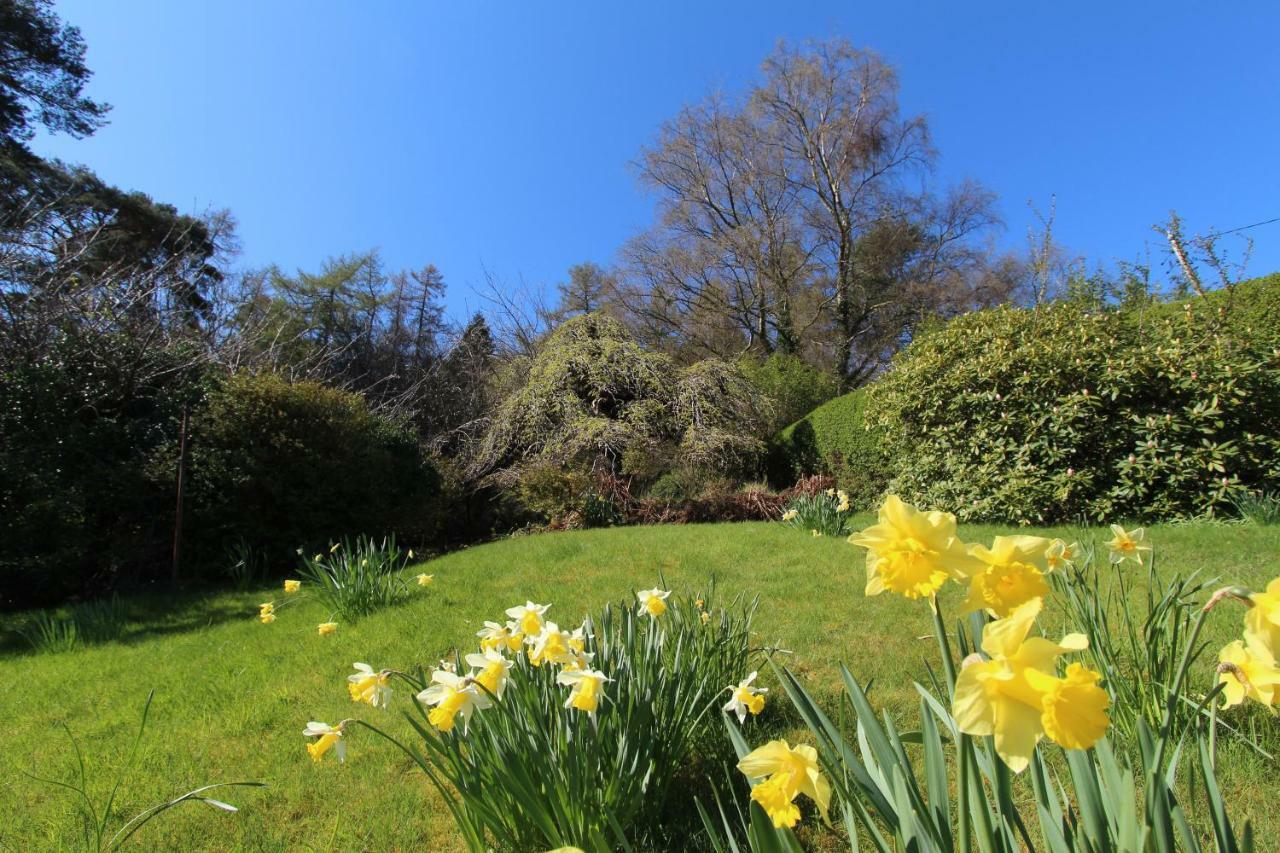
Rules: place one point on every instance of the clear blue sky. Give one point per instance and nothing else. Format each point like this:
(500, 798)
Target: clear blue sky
(479, 135)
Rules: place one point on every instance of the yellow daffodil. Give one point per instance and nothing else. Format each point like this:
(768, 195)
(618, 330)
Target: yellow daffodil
(334, 547)
(1248, 671)
(787, 771)
(452, 696)
(706, 617)
(579, 660)
(831, 493)
(265, 608)
(1009, 573)
(910, 552)
(1015, 695)
(424, 579)
(1060, 554)
(549, 646)
(1262, 621)
(587, 685)
(790, 515)
(372, 688)
(317, 558)
(495, 636)
(815, 533)
(528, 617)
(1073, 709)
(700, 603)
(330, 738)
(491, 671)
(325, 628)
(578, 639)
(744, 698)
(1127, 544)
(653, 601)
(267, 618)
(843, 505)
(292, 586)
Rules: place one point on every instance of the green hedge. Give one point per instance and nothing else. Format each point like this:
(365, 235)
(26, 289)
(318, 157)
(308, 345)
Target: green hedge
(1062, 413)
(794, 386)
(284, 465)
(835, 439)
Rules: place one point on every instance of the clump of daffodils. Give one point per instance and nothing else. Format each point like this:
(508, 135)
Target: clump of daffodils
(1015, 695)
(267, 612)
(453, 695)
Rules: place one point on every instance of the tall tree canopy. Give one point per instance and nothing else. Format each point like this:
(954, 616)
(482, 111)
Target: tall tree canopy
(42, 74)
(793, 219)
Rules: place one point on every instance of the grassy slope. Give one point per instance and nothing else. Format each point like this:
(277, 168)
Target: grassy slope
(232, 695)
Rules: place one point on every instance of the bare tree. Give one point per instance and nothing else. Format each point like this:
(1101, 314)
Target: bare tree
(792, 219)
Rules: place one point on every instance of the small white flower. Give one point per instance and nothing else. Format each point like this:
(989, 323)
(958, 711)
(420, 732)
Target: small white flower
(528, 617)
(653, 601)
(745, 698)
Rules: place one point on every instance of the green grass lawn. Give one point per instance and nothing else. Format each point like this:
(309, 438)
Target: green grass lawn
(233, 695)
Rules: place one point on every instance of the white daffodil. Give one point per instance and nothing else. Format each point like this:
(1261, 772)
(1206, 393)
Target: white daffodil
(586, 684)
(528, 617)
(653, 601)
(451, 696)
(746, 698)
(491, 670)
(550, 646)
(495, 636)
(329, 737)
(579, 660)
(372, 688)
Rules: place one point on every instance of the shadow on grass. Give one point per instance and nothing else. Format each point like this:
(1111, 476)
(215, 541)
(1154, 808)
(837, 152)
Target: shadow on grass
(148, 615)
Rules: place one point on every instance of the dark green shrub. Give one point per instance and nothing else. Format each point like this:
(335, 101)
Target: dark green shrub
(834, 439)
(552, 493)
(1063, 413)
(79, 509)
(793, 385)
(282, 466)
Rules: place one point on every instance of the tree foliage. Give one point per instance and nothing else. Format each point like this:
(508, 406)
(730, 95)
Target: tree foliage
(43, 75)
(598, 400)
